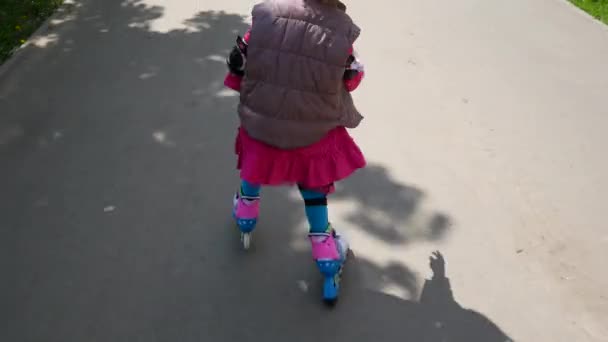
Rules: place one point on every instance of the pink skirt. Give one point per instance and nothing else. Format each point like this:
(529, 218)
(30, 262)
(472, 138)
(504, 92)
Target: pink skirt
(317, 166)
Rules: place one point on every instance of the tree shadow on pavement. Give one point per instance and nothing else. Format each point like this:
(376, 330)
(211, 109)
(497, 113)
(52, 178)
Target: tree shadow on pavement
(116, 205)
(388, 209)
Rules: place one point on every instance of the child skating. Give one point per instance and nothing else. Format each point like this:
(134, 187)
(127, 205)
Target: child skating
(295, 69)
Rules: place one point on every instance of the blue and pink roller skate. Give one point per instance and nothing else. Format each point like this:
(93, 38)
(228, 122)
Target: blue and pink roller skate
(329, 250)
(246, 211)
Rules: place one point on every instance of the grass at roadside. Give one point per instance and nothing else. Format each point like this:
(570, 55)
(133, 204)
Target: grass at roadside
(597, 8)
(19, 19)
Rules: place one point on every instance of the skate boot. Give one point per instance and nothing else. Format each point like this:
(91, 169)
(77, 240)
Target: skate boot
(245, 212)
(329, 251)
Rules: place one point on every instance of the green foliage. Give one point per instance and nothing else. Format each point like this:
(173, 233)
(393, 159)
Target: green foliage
(597, 8)
(19, 19)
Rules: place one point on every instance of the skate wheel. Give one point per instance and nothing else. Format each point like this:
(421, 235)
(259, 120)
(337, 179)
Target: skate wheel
(330, 302)
(331, 288)
(246, 240)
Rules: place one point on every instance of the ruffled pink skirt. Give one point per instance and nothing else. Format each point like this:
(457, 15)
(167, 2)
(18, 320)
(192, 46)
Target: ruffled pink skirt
(317, 166)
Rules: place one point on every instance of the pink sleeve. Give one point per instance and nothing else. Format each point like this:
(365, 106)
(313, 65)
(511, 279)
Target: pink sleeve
(233, 81)
(353, 83)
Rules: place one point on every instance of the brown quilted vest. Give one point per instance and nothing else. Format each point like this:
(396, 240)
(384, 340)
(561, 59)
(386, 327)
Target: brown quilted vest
(293, 94)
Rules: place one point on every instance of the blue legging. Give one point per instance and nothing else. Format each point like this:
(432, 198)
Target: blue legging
(315, 204)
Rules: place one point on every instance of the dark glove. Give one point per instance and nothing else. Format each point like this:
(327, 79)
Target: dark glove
(237, 60)
(351, 70)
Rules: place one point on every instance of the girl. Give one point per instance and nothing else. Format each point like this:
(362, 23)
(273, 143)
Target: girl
(295, 69)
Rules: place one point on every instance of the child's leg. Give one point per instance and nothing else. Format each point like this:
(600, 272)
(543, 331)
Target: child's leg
(249, 190)
(328, 249)
(315, 203)
(247, 206)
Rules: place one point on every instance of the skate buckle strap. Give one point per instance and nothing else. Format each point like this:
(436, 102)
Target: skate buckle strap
(319, 234)
(240, 195)
(249, 198)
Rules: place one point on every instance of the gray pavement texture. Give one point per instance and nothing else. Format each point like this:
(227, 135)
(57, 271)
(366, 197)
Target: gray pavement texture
(485, 133)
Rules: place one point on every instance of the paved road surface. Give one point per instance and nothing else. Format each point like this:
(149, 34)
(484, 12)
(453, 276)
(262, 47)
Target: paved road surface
(485, 131)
